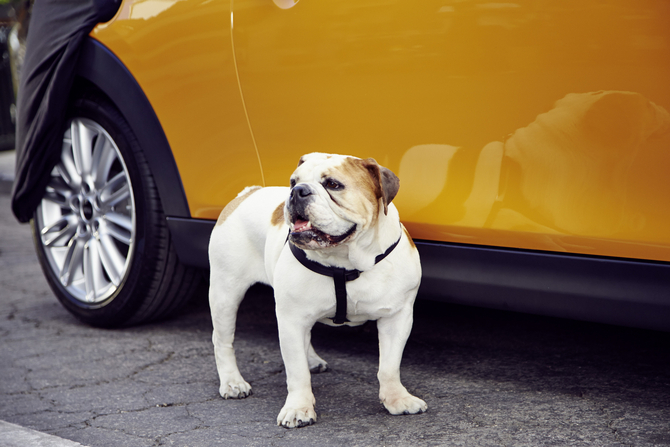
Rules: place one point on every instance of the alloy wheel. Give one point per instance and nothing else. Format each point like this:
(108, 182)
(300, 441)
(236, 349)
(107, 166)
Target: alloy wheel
(87, 218)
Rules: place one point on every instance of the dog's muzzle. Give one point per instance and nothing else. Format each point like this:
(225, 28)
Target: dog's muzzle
(303, 233)
(300, 198)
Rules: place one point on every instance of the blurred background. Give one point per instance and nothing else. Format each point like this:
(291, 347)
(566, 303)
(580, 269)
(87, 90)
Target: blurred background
(14, 18)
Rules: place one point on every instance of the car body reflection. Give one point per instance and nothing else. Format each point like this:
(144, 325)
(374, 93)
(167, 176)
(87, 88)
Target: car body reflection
(583, 177)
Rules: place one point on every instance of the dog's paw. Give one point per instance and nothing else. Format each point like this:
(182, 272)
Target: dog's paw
(296, 417)
(316, 363)
(319, 368)
(405, 404)
(238, 389)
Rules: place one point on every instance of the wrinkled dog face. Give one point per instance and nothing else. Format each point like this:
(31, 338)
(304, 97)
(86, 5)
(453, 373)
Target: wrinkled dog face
(334, 197)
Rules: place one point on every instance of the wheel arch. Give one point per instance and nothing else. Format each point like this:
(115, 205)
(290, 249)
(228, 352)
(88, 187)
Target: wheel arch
(99, 66)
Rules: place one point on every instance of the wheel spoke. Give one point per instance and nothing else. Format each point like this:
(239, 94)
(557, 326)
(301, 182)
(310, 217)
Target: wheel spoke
(58, 192)
(92, 270)
(114, 191)
(121, 220)
(66, 167)
(112, 261)
(103, 158)
(58, 199)
(118, 226)
(73, 261)
(61, 230)
(59, 185)
(82, 139)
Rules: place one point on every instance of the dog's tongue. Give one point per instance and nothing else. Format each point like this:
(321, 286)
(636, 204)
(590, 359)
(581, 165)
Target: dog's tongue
(301, 225)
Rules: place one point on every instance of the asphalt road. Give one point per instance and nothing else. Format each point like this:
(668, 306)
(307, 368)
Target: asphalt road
(490, 378)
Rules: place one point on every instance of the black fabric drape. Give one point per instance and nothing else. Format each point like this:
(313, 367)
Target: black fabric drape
(57, 29)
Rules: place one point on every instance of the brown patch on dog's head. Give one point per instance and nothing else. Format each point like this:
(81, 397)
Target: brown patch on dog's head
(233, 204)
(376, 182)
(382, 181)
(387, 182)
(278, 215)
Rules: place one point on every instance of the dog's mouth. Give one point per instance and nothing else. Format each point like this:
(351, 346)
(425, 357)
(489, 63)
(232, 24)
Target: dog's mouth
(304, 234)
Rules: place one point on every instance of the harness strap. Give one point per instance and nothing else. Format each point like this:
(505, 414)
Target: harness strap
(340, 277)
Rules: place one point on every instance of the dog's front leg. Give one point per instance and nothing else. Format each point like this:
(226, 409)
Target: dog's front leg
(393, 334)
(224, 301)
(294, 338)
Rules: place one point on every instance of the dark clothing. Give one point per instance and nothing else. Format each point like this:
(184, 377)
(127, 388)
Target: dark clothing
(57, 30)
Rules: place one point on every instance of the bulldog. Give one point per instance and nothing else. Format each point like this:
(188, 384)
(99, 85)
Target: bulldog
(334, 251)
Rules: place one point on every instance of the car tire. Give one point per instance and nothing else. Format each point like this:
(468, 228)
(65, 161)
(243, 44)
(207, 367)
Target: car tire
(100, 232)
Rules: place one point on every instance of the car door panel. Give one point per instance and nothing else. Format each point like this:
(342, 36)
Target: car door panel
(534, 125)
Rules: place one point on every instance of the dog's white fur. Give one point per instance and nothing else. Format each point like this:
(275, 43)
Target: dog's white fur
(249, 245)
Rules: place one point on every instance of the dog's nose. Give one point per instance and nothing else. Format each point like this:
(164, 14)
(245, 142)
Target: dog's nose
(301, 191)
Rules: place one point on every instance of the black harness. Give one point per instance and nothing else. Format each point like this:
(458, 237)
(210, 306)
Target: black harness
(340, 277)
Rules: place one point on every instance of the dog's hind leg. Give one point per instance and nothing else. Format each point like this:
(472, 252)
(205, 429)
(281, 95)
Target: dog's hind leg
(316, 363)
(225, 296)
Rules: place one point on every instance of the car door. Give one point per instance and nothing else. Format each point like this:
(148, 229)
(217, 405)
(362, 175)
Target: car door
(527, 124)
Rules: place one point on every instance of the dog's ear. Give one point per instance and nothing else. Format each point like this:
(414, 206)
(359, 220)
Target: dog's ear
(386, 182)
(301, 161)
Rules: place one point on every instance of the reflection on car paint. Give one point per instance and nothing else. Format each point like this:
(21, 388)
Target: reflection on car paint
(592, 167)
(144, 9)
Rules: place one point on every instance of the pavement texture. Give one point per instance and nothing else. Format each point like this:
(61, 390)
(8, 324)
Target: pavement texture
(490, 378)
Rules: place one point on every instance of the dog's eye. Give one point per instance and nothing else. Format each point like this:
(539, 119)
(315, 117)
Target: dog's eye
(292, 183)
(334, 185)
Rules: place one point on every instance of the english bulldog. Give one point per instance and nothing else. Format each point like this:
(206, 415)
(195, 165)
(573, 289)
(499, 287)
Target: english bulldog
(334, 251)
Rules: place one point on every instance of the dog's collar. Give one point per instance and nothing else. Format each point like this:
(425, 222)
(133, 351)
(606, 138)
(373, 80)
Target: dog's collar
(340, 277)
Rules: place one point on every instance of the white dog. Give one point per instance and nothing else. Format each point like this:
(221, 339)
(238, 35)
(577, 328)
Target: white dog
(333, 249)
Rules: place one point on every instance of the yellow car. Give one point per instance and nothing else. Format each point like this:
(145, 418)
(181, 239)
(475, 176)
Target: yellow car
(531, 138)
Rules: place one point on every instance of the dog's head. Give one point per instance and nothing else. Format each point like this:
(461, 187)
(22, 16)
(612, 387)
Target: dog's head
(335, 197)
